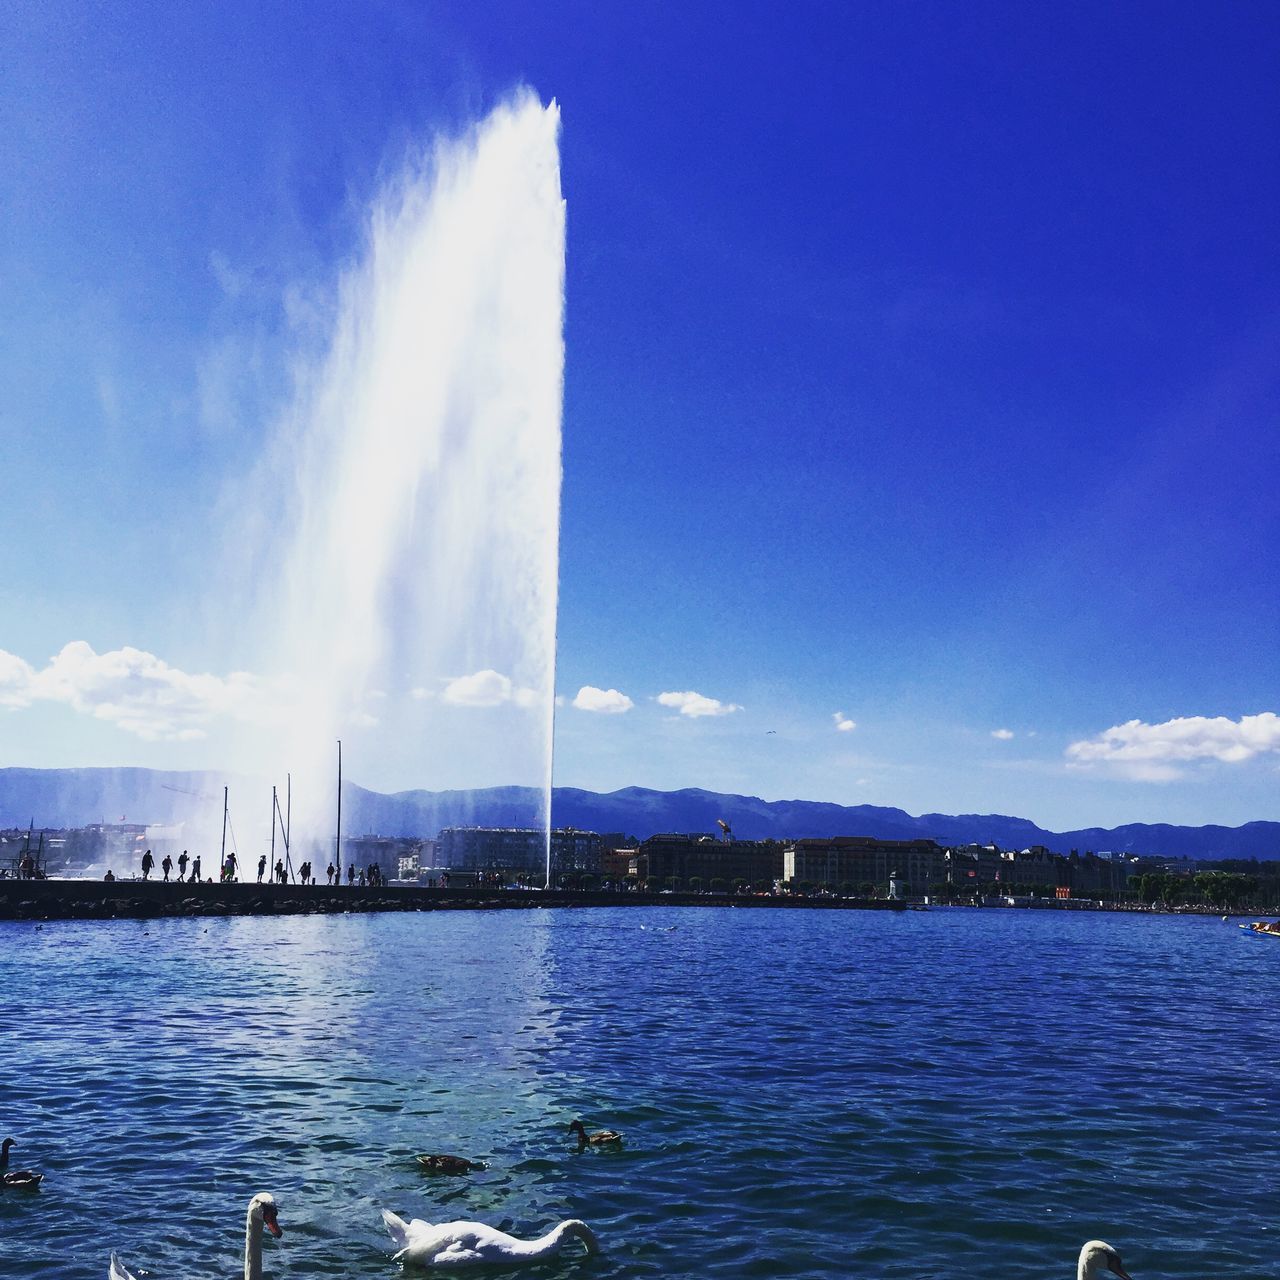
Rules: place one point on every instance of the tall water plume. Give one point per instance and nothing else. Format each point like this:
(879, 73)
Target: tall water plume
(407, 588)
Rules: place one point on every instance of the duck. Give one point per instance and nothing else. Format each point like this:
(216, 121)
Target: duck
(449, 1164)
(601, 1138)
(423, 1246)
(18, 1179)
(263, 1212)
(1096, 1257)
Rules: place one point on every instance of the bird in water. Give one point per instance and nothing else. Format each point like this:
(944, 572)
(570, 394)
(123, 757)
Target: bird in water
(262, 1213)
(449, 1164)
(601, 1138)
(423, 1245)
(19, 1179)
(1096, 1257)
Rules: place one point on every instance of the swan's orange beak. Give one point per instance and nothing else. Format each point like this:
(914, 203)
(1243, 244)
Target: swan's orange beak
(269, 1221)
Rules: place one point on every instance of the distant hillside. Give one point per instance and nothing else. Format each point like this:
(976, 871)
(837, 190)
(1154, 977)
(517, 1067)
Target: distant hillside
(77, 797)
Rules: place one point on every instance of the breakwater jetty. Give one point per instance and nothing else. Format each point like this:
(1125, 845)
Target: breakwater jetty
(151, 899)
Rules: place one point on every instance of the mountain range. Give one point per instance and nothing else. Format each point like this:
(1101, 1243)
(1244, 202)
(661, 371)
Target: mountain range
(79, 797)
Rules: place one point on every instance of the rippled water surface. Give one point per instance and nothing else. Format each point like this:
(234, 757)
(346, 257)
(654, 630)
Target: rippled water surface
(816, 1094)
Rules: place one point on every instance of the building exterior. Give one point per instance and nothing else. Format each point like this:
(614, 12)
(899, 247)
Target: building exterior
(575, 852)
(703, 856)
(617, 863)
(517, 849)
(863, 860)
(977, 868)
(361, 852)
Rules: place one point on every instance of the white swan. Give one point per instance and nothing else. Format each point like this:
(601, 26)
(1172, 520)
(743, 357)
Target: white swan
(468, 1244)
(1096, 1257)
(262, 1213)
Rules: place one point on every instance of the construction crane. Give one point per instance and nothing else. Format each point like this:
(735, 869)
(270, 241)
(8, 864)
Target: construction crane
(725, 829)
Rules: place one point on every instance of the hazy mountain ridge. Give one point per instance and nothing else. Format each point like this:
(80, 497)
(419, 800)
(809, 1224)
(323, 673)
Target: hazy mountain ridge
(78, 797)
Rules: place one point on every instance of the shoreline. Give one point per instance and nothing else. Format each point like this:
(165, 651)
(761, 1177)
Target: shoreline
(151, 899)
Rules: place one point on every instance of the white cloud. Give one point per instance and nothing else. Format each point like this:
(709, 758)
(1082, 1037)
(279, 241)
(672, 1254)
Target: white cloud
(607, 701)
(419, 694)
(1003, 735)
(842, 722)
(487, 688)
(1160, 752)
(135, 690)
(695, 704)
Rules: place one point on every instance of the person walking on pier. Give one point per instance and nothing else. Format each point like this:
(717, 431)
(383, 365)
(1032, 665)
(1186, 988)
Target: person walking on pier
(351, 874)
(262, 867)
(182, 866)
(166, 866)
(147, 863)
(195, 869)
(307, 877)
(329, 873)
(279, 871)
(229, 868)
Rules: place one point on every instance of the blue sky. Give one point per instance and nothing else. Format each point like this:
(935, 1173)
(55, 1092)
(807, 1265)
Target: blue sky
(920, 373)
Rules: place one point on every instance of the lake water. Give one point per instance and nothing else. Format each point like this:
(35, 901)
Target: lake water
(803, 1093)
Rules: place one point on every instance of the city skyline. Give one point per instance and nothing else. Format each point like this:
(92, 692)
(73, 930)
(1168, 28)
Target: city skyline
(919, 440)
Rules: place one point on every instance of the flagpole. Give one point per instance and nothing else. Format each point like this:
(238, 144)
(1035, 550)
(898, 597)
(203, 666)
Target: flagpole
(338, 837)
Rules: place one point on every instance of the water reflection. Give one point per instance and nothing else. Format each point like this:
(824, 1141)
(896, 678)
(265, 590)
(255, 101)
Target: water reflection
(801, 1095)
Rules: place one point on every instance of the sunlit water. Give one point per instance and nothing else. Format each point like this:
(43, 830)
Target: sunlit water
(813, 1094)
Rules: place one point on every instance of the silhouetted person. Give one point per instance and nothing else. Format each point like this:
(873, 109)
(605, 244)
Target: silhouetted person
(195, 870)
(147, 863)
(229, 867)
(166, 866)
(329, 873)
(182, 865)
(351, 875)
(262, 867)
(279, 871)
(111, 875)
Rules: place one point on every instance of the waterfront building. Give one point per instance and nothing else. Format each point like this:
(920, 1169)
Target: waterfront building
(702, 856)
(617, 862)
(519, 850)
(386, 852)
(516, 849)
(575, 852)
(865, 860)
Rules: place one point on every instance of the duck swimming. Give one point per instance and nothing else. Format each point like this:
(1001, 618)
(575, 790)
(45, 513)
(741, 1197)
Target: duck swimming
(601, 1138)
(464, 1244)
(449, 1164)
(18, 1179)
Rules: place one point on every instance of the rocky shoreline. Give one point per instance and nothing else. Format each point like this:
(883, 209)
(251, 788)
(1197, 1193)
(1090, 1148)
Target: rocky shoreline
(150, 899)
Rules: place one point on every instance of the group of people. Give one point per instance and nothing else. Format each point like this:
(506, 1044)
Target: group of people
(228, 874)
(166, 867)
